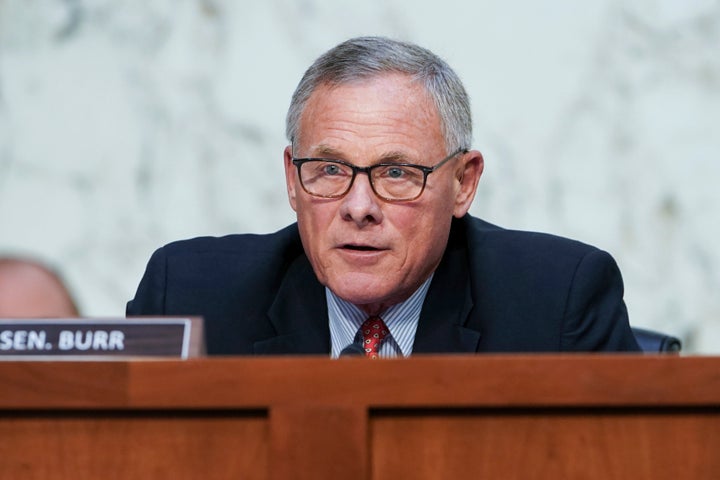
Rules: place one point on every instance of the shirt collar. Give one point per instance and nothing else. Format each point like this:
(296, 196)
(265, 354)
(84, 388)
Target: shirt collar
(401, 319)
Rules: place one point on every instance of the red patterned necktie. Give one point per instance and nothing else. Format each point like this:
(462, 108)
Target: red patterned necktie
(374, 332)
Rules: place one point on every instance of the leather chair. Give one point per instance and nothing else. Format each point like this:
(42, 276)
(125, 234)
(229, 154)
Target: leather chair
(651, 341)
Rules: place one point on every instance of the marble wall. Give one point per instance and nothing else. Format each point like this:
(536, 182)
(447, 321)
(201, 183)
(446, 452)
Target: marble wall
(128, 124)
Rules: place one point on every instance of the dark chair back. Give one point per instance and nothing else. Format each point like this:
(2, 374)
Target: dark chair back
(651, 341)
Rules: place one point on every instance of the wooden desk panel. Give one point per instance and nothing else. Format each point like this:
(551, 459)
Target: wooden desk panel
(504, 416)
(133, 445)
(554, 444)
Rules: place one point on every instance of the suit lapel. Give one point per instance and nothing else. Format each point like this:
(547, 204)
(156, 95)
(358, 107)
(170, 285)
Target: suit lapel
(298, 314)
(442, 327)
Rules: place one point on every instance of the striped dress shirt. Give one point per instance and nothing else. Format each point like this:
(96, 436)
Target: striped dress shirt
(401, 319)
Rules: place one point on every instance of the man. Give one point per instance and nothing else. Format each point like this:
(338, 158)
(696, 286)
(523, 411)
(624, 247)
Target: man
(381, 175)
(29, 289)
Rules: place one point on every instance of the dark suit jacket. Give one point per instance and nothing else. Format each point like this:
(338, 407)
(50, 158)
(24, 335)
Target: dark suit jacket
(495, 290)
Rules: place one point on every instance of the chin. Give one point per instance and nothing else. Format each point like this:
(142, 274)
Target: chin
(361, 289)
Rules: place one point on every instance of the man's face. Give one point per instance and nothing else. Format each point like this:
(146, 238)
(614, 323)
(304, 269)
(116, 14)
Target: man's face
(368, 251)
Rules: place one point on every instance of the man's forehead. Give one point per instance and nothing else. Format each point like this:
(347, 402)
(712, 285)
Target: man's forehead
(399, 87)
(381, 105)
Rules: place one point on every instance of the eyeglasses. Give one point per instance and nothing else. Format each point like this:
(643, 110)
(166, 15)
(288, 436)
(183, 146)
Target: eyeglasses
(393, 182)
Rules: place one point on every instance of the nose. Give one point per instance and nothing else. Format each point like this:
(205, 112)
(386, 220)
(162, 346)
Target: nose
(360, 204)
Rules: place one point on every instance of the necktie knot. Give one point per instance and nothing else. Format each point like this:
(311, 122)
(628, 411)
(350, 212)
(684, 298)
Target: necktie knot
(373, 331)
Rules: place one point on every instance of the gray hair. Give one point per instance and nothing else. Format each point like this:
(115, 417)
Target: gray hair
(367, 57)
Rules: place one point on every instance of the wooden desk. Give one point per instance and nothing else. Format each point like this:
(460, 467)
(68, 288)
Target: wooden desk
(435, 417)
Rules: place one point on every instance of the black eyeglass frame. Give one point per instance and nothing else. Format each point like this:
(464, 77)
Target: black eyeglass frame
(298, 162)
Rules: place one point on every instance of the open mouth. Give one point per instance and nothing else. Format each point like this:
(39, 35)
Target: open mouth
(361, 248)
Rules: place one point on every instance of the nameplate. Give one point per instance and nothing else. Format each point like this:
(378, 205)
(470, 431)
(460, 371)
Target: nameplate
(108, 338)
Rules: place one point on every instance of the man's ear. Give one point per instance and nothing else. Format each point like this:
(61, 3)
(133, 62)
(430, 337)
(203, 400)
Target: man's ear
(467, 175)
(290, 177)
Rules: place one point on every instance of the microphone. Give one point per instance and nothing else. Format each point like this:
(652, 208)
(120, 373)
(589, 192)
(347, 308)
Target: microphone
(352, 350)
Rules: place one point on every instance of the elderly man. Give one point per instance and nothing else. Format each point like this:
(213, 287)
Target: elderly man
(384, 258)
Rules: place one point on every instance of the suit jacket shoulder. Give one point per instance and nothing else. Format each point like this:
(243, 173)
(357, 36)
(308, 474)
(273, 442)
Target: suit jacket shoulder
(231, 281)
(539, 292)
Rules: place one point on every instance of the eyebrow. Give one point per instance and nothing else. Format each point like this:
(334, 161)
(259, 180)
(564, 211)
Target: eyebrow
(327, 151)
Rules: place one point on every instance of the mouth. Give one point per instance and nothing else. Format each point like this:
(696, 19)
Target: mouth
(360, 248)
